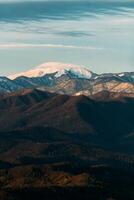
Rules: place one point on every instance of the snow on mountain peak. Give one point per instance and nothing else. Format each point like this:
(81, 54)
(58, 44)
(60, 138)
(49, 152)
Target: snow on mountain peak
(55, 67)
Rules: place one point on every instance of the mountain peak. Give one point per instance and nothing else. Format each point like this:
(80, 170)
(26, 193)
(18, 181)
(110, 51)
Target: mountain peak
(57, 68)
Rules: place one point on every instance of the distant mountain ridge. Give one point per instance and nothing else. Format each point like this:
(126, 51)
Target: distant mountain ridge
(68, 79)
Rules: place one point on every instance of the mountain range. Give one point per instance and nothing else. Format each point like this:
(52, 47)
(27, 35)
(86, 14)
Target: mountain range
(65, 133)
(60, 146)
(70, 114)
(68, 79)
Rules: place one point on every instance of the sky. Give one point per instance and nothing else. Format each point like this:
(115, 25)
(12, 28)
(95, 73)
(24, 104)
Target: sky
(97, 34)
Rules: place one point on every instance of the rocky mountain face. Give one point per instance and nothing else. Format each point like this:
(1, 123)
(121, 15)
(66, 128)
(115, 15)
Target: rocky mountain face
(68, 79)
(7, 85)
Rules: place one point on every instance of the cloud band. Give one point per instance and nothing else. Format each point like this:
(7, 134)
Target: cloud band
(12, 46)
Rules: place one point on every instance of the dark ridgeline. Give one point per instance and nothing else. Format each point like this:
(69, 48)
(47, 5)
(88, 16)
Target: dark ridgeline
(56, 146)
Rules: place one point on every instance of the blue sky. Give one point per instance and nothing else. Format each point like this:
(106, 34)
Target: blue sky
(97, 34)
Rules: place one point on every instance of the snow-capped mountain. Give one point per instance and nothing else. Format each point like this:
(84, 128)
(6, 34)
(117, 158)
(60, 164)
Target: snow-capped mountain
(68, 79)
(58, 69)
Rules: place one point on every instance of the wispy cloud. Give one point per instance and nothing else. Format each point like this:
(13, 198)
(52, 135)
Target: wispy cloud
(12, 46)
